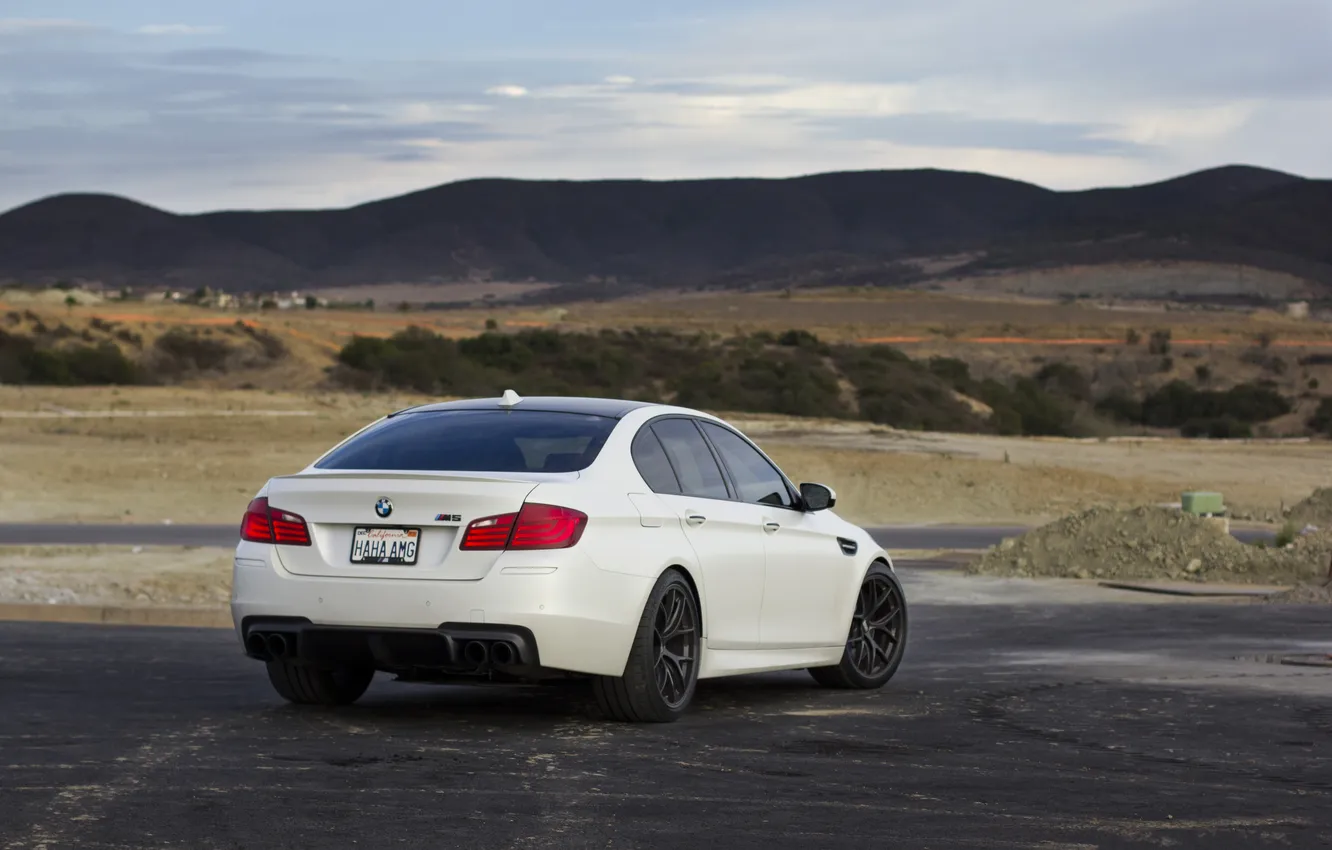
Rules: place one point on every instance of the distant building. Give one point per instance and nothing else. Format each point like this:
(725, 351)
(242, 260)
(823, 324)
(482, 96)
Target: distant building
(1298, 309)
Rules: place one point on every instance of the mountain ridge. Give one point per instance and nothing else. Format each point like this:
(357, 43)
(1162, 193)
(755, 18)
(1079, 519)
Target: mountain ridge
(647, 234)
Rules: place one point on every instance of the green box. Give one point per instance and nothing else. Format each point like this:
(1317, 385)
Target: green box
(1201, 503)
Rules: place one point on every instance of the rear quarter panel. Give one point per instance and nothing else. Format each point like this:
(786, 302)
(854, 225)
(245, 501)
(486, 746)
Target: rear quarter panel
(615, 539)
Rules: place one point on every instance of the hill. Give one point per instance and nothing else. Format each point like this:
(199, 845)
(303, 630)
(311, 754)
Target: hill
(617, 236)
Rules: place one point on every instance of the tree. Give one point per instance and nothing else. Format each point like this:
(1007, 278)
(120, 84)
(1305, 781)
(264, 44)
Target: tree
(492, 325)
(311, 302)
(70, 303)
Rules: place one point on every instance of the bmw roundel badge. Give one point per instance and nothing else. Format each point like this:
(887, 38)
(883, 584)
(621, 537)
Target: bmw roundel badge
(384, 507)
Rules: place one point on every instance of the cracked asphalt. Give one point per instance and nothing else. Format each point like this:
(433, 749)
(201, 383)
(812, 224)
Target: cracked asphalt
(1010, 725)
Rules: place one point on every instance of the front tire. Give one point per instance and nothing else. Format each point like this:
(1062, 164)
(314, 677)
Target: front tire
(877, 638)
(661, 675)
(304, 685)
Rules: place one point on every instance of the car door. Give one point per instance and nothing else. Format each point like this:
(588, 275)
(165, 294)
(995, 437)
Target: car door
(727, 535)
(803, 564)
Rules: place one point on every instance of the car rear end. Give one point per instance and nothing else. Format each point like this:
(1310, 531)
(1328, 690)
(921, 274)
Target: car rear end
(424, 545)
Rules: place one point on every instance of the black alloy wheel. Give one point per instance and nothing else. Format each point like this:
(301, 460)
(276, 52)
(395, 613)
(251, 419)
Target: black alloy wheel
(675, 645)
(662, 671)
(876, 640)
(876, 626)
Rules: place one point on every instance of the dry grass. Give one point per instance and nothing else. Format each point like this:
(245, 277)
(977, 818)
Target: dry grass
(201, 467)
(221, 443)
(203, 464)
(394, 294)
(875, 487)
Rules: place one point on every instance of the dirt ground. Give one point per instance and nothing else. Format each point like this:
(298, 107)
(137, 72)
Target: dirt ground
(1036, 478)
(115, 575)
(195, 455)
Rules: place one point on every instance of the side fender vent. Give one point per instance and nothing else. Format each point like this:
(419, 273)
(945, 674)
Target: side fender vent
(849, 547)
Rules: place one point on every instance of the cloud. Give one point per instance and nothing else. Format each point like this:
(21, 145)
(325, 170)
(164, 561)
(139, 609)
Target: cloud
(507, 91)
(1063, 94)
(219, 57)
(942, 130)
(177, 29)
(29, 26)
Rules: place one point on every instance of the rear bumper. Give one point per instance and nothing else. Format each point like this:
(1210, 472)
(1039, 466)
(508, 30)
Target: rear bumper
(461, 648)
(582, 619)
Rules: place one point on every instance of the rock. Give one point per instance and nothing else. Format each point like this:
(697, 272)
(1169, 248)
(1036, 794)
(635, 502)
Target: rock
(1193, 566)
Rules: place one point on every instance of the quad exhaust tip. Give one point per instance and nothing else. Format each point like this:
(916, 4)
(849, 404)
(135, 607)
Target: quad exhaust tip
(277, 646)
(476, 652)
(503, 653)
(500, 653)
(256, 644)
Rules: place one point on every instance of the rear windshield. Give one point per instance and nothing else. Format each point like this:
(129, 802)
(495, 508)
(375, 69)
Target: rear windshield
(476, 441)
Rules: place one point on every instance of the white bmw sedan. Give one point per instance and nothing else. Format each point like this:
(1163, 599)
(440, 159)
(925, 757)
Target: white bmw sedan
(642, 546)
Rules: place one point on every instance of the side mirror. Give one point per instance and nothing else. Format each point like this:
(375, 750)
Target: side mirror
(817, 497)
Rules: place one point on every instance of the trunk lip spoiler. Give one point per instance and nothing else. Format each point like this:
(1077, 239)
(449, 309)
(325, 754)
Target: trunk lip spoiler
(427, 475)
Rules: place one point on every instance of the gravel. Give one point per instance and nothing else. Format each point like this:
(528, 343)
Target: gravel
(1153, 543)
(1304, 594)
(1316, 510)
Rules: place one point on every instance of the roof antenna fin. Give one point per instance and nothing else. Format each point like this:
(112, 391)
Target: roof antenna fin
(509, 399)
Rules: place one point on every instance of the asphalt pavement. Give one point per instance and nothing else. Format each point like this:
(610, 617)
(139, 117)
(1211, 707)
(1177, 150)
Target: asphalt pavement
(38, 534)
(1080, 725)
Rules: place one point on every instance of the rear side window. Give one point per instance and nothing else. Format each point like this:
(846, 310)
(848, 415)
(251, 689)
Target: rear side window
(476, 441)
(650, 458)
(691, 459)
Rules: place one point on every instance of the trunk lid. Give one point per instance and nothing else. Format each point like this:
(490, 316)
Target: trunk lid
(441, 505)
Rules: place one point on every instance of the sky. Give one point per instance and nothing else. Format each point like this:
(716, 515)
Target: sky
(251, 104)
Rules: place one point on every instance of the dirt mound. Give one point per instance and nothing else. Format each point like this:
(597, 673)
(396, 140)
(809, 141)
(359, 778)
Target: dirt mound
(1312, 593)
(1152, 543)
(1315, 510)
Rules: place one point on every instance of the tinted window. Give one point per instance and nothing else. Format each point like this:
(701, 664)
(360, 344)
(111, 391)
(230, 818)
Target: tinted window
(476, 441)
(756, 479)
(692, 460)
(650, 458)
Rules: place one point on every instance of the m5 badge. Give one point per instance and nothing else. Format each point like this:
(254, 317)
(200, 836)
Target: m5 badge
(448, 518)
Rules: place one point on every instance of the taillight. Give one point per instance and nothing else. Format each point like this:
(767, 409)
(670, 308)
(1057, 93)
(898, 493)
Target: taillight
(255, 526)
(492, 532)
(547, 527)
(533, 527)
(264, 523)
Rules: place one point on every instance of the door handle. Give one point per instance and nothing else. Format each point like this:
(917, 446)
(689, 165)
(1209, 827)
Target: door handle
(771, 526)
(695, 519)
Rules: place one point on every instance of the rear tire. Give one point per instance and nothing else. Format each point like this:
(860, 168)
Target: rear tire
(877, 638)
(304, 685)
(662, 672)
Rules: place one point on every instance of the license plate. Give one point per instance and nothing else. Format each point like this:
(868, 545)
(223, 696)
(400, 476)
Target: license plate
(392, 546)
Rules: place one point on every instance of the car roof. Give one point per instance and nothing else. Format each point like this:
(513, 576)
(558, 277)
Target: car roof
(612, 408)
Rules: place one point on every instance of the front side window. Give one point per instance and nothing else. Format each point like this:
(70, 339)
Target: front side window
(476, 441)
(691, 459)
(757, 480)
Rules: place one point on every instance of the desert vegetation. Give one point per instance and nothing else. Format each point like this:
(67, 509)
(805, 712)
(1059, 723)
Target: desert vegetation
(97, 355)
(795, 373)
